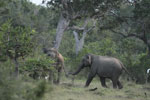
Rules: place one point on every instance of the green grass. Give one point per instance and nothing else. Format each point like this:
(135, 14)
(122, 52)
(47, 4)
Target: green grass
(66, 91)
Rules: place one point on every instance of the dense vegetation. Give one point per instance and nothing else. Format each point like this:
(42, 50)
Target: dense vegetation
(117, 28)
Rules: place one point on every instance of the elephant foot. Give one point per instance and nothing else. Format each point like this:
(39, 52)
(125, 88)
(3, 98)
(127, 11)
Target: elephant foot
(114, 87)
(56, 82)
(120, 87)
(105, 86)
(85, 86)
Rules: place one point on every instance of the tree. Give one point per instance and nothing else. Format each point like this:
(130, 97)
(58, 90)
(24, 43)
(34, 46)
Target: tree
(15, 42)
(135, 21)
(70, 10)
(79, 42)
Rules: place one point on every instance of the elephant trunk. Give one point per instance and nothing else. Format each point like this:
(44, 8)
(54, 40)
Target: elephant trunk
(78, 70)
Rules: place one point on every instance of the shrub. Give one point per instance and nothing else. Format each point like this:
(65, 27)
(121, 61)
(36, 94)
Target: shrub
(37, 68)
(140, 67)
(12, 88)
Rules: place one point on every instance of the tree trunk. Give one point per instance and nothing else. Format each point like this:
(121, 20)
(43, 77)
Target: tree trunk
(148, 46)
(16, 67)
(61, 27)
(79, 43)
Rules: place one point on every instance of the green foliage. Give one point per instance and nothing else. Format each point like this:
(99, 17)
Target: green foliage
(21, 88)
(140, 67)
(38, 92)
(131, 48)
(16, 41)
(104, 47)
(37, 67)
(141, 9)
(7, 87)
(83, 7)
(33, 64)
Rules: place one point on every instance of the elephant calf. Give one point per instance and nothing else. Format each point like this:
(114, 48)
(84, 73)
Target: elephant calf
(104, 67)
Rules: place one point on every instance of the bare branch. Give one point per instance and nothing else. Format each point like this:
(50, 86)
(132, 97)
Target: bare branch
(120, 33)
(76, 15)
(80, 28)
(77, 28)
(93, 26)
(126, 36)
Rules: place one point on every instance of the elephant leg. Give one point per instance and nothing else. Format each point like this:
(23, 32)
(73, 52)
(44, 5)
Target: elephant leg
(54, 77)
(114, 81)
(50, 76)
(103, 82)
(59, 75)
(119, 85)
(90, 78)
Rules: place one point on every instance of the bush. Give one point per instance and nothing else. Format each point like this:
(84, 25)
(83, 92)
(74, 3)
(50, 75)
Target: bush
(37, 68)
(12, 88)
(140, 67)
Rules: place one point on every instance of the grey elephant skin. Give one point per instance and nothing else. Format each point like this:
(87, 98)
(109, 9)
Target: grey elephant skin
(104, 67)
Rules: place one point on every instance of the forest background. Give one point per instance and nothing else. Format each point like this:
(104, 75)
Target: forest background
(117, 28)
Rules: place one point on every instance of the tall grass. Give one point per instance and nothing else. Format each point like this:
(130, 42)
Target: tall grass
(21, 88)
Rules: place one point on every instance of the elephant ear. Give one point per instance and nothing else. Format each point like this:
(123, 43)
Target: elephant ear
(89, 59)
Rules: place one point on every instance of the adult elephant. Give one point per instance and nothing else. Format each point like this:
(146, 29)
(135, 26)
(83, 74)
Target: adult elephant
(104, 67)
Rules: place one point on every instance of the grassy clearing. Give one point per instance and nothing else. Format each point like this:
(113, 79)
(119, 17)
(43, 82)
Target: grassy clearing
(66, 91)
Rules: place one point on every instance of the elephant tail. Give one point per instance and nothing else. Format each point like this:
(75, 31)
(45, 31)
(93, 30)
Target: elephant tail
(124, 68)
(132, 77)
